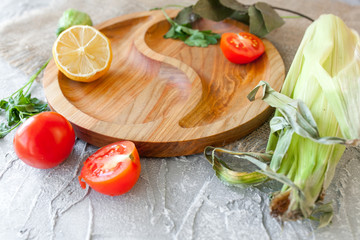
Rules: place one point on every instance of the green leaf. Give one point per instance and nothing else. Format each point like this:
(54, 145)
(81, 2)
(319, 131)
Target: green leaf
(4, 130)
(229, 175)
(284, 141)
(186, 16)
(196, 39)
(257, 24)
(233, 4)
(244, 179)
(3, 104)
(326, 213)
(171, 33)
(297, 115)
(212, 38)
(271, 19)
(18, 109)
(241, 17)
(191, 37)
(212, 9)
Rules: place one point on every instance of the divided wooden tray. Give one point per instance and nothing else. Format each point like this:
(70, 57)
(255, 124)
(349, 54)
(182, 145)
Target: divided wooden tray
(167, 97)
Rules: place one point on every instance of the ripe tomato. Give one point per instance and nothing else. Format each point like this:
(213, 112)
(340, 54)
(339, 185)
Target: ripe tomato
(241, 48)
(112, 170)
(44, 140)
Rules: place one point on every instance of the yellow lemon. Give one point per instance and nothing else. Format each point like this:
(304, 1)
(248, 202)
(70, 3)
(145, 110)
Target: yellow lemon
(82, 53)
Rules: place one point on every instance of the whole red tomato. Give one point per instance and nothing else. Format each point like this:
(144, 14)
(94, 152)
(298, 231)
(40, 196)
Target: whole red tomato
(112, 170)
(44, 140)
(241, 48)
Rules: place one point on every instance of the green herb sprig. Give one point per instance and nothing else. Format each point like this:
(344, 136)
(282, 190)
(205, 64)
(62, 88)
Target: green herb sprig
(19, 106)
(191, 37)
(261, 17)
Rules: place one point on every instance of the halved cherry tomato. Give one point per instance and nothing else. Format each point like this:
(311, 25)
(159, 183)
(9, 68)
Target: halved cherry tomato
(112, 170)
(44, 140)
(241, 48)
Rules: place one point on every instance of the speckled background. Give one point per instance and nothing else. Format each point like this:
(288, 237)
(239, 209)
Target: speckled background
(175, 198)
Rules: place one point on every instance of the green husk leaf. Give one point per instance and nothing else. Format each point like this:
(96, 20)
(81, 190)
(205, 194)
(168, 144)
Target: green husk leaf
(284, 141)
(319, 98)
(212, 9)
(272, 20)
(229, 175)
(296, 114)
(326, 213)
(242, 179)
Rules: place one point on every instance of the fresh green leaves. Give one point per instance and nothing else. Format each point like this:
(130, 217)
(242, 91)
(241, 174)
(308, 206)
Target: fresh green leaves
(212, 9)
(186, 16)
(72, 17)
(19, 108)
(261, 17)
(234, 5)
(191, 37)
(20, 105)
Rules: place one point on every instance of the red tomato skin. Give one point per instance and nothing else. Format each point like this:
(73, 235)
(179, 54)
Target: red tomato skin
(241, 55)
(122, 181)
(44, 140)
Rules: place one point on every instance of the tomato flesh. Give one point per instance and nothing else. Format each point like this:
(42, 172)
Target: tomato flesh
(241, 48)
(44, 140)
(112, 170)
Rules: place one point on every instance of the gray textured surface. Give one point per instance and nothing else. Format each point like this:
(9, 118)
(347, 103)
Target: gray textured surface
(175, 198)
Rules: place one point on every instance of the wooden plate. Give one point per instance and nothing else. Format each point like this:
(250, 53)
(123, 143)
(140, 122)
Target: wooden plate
(167, 97)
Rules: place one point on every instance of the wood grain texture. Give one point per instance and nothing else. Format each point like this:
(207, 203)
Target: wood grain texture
(167, 97)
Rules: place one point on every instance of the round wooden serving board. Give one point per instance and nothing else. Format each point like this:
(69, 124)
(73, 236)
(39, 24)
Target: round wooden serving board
(168, 98)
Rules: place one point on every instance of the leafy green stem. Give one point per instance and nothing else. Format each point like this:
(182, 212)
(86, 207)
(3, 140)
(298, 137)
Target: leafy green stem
(185, 33)
(173, 6)
(294, 12)
(31, 80)
(167, 16)
(19, 106)
(291, 17)
(4, 130)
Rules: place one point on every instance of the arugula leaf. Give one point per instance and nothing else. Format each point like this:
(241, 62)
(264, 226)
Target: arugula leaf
(191, 37)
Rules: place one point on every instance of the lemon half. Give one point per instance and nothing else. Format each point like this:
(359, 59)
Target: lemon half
(82, 53)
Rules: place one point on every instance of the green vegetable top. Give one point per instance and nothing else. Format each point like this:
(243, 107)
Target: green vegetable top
(72, 17)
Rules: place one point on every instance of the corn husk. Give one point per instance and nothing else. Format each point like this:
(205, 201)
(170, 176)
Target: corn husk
(317, 116)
